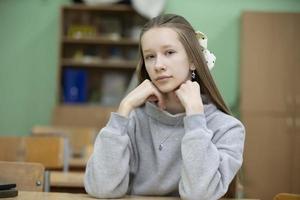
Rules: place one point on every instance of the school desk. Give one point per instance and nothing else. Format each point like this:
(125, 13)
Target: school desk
(66, 182)
(26, 195)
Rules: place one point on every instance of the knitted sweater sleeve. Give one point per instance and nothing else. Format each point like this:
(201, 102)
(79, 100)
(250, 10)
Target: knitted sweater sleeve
(210, 158)
(107, 171)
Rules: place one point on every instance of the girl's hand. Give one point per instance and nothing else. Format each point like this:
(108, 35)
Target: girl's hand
(190, 97)
(143, 92)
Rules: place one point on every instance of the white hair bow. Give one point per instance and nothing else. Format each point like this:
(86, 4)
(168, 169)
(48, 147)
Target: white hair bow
(209, 57)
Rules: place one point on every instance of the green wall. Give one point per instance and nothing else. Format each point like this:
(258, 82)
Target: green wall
(28, 63)
(29, 33)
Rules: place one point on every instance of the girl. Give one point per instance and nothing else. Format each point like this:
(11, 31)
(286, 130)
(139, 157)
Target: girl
(170, 136)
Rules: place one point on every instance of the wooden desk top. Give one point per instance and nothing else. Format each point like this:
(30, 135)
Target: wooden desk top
(26, 195)
(66, 179)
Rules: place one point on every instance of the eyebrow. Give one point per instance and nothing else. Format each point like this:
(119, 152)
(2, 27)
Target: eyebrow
(164, 47)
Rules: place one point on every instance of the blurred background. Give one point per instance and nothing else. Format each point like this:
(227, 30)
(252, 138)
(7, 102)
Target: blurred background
(68, 63)
(30, 44)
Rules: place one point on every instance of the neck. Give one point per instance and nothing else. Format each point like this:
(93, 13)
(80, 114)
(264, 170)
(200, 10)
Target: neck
(172, 103)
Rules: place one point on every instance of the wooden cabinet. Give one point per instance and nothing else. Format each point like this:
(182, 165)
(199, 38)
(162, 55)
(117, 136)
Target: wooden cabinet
(270, 90)
(269, 69)
(98, 56)
(268, 155)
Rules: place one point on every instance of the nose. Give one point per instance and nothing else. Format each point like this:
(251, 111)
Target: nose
(159, 64)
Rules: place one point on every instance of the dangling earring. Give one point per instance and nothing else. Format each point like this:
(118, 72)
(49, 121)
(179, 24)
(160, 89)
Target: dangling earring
(193, 75)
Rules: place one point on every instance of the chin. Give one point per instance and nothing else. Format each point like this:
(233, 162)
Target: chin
(167, 88)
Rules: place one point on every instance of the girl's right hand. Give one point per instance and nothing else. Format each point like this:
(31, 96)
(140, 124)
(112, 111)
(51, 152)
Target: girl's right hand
(143, 92)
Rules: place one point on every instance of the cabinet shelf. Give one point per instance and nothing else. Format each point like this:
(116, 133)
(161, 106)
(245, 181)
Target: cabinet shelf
(103, 64)
(99, 40)
(102, 8)
(97, 60)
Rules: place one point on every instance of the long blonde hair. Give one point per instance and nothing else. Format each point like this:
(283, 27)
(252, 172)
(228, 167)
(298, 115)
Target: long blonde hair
(187, 37)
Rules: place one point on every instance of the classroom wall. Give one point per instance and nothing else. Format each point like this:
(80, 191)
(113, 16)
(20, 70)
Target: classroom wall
(29, 33)
(29, 52)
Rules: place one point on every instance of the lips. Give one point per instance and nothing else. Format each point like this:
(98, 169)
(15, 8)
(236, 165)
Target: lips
(162, 78)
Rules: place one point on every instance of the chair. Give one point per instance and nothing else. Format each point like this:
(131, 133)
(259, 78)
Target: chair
(27, 176)
(80, 137)
(287, 196)
(12, 148)
(47, 150)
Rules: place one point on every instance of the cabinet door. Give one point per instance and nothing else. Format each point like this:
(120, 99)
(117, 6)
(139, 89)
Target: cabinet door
(296, 156)
(268, 155)
(296, 77)
(296, 65)
(268, 61)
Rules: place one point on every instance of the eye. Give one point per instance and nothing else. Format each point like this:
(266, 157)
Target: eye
(169, 52)
(148, 57)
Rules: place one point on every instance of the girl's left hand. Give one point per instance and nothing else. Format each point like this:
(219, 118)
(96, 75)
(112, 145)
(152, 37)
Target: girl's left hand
(190, 97)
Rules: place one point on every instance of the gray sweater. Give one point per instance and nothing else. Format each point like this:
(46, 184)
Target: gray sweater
(199, 154)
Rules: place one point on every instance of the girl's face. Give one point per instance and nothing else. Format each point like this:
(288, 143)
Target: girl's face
(165, 59)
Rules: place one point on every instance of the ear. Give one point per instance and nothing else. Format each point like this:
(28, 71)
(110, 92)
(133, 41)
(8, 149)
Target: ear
(192, 66)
